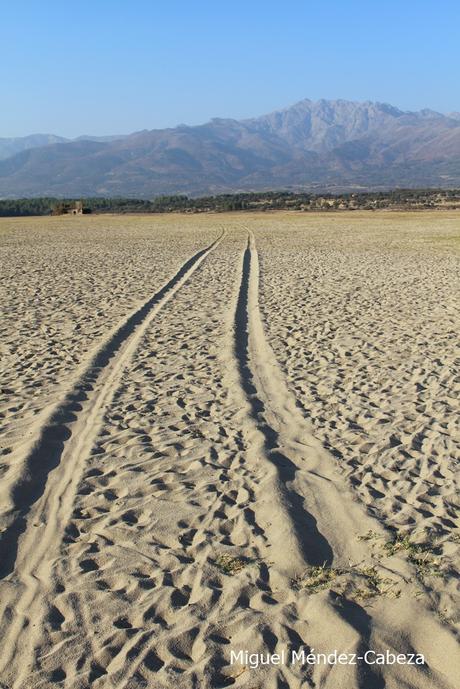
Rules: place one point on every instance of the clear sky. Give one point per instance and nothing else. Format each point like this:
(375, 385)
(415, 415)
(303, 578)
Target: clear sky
(117, 66)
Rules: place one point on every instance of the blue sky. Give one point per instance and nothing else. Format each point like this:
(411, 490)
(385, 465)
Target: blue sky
(116, 66)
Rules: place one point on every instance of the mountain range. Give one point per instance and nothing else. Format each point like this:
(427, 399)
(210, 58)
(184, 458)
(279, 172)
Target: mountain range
(324, 145)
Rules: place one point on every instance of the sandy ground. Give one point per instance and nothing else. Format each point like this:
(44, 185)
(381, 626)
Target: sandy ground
(226, 434)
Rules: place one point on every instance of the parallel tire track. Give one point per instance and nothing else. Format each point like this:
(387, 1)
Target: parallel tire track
(42, 497)
(308, 514)
(306, 509)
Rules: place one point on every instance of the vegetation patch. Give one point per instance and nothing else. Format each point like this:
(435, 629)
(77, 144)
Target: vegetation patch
(369, 536)
(420, 555)
(401, 543)
(371, 583)
(229, 565)
(355, 583)
(318, 578)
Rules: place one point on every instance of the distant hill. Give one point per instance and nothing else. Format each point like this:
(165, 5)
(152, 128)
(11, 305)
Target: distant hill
(323, 145)
(11, 146)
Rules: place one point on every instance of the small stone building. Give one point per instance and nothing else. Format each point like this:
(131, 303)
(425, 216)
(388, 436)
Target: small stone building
(78, 209)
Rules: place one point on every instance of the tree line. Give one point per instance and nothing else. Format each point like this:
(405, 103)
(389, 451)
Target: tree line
(247, 201)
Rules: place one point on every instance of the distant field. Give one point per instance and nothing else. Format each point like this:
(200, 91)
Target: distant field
(227, 432)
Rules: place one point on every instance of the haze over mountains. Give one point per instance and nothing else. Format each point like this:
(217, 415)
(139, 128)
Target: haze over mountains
(11, 146)
(323, 145)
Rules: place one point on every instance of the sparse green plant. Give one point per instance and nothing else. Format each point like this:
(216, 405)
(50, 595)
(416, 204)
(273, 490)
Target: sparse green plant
(425, 564)
(375, 584)
(442, 614)
(421, 555)
(369, 536)
(398, 544)
(317, 578)
(229, 565)
(358, 583)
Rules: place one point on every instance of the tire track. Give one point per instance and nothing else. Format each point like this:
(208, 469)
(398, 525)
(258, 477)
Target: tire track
(307, 512)
(43, 497)
(294, 527)
(308, 515)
